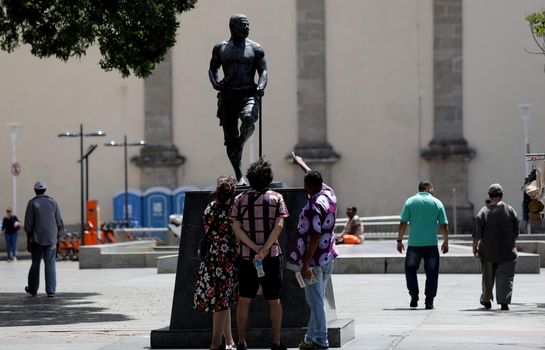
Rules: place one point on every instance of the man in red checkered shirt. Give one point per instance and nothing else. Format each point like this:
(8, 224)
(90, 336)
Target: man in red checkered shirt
(258, 218)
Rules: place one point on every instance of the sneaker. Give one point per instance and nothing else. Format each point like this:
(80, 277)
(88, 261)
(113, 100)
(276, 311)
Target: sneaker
(487, 304)
(29, 293)
(278, 346)
(429, 306)
(50, 295)
(241, 346)
(414, 302)
(313, 345)
(14, 258)
(505, 307)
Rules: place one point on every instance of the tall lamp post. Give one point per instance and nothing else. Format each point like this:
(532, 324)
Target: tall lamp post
(15, 167)
(525, 109)
(125, 145)
(86, 158)
(81, 135)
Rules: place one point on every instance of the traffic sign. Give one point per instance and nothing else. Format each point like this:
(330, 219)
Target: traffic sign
(15, 169)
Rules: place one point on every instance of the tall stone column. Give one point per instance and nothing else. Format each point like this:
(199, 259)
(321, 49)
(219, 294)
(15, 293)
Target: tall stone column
(311, 88)
(159, 160)
(448, 151)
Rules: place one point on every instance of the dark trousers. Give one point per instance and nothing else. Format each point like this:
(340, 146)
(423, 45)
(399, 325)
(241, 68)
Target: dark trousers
(430, 254)
(48, 253)
(503, 274)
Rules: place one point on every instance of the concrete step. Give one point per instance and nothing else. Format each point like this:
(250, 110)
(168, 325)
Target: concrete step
(382, 257)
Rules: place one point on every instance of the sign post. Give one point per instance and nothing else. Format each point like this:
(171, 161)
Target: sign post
(15, 167)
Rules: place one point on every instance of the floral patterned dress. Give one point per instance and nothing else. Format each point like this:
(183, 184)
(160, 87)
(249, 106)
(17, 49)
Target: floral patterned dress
(216, 286)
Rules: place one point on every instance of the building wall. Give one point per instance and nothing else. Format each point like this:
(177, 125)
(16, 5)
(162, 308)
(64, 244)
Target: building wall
(379, 102)
(49, 97)
(379, 56)
(498, 76)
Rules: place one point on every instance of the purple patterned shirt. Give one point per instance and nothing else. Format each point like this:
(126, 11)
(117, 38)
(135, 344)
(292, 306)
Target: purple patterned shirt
(318, 218)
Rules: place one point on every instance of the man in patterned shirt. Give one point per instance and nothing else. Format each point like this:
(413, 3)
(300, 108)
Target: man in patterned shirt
(258, 218)
(316, 251)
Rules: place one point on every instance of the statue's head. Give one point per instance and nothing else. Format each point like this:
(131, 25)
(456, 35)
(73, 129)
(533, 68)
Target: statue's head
(239, 26)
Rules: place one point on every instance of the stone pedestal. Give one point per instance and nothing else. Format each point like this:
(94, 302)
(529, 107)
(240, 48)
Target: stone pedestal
(191, 329)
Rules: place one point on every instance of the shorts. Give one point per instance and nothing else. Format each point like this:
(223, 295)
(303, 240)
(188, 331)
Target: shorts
(233, 108)
(271, 283)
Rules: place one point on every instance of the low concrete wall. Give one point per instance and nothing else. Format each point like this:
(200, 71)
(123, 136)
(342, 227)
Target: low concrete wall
(534, 247)
(527, 263)
(167, 263)
(134, 254)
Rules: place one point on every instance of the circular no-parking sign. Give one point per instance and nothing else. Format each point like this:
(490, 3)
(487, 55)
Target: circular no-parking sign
(15, 169)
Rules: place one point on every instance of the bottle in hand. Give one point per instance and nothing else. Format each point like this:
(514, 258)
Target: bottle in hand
(259, 268)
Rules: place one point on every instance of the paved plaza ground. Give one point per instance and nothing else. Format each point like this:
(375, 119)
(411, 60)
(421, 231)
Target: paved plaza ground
(117, 309)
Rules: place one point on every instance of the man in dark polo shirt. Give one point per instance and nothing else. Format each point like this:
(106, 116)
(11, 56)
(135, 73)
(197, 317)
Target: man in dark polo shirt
(258, 218)
(495, 231)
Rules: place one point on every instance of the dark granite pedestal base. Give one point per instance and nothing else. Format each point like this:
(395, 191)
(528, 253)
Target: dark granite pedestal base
(191, 329)
(340, 332)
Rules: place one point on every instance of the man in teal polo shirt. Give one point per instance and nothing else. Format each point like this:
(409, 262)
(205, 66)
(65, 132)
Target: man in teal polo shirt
(423, 212)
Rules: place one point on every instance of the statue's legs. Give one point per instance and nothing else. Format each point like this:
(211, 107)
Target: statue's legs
(245, 109)
(247, 128)
(233, 146)
(248, 116)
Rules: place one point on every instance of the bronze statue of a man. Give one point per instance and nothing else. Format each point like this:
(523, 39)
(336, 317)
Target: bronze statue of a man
(239, 95)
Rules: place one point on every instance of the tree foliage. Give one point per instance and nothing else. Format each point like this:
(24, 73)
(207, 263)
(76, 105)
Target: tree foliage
(536, 21)
(132, 35)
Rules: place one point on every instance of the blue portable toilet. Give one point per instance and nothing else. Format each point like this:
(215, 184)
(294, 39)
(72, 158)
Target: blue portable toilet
(135, 207)
(178, 198)
(157, 202)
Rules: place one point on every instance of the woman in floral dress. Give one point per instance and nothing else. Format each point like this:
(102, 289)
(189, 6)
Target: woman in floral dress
(216, 287)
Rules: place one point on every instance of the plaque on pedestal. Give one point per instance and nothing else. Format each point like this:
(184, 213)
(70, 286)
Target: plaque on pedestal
(192, 329)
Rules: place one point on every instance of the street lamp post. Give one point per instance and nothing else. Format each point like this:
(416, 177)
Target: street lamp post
(86, 158)
(14, 130)
(81, 135)
(525, 108)
(125, 145)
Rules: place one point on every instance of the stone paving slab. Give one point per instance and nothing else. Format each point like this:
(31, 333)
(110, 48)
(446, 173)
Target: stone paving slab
(115, 309)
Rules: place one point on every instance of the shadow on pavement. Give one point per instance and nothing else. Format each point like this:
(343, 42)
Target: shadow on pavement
(406, 309)
(516, 309)
(18, 309)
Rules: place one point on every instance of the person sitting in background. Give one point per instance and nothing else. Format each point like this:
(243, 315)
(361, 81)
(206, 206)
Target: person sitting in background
(353, 230)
